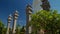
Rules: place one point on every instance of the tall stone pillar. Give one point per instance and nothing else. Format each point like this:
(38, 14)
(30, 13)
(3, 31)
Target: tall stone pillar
(15, 17)
(8, 25)
(28, 18)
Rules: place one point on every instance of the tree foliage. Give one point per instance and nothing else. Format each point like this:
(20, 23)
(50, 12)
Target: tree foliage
(22, 31)
(18, 29)
(2, 28)
(47, 20)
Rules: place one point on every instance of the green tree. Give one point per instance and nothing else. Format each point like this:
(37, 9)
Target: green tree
(22, 31)
(2, 28)
(47, 20)
(18, 29)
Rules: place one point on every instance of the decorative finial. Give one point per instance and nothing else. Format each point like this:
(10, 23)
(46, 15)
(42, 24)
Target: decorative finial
(10, 15)
(16, 14)
(16, 11)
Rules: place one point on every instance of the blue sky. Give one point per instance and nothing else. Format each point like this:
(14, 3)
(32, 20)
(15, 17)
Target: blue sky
(9, 6)
(55, 4)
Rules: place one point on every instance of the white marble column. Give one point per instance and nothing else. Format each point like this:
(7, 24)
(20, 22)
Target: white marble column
(8, 25)
(28, 18)
(15, 17)
(30, 27)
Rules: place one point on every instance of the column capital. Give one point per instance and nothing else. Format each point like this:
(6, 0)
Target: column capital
(16, 14)
(9, 18)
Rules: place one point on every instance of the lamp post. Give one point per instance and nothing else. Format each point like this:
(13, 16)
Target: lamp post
(15, 17)
(8, 25)
(28, 18)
